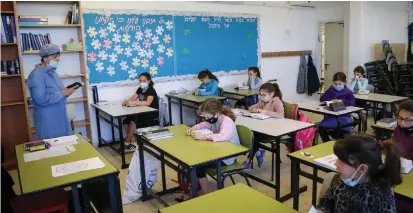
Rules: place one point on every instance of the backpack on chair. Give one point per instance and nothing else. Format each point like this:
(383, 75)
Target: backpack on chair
(303, 138)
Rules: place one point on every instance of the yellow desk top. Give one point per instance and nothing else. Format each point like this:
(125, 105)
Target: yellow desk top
(37, 175)
(234, 199)
(325, 149)
(194, 152)
(194, 98)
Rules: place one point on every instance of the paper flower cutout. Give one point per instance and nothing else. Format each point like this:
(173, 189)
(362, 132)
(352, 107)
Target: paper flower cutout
(111, 70)
(128, 52)
(113, 58)
(107, 44)
(99, 66)
(161, 48)
(161, 60)
(102, 55)
(145, 63)
(96, 44)
(169, 25)
(136, 61)
(169, 52)
(148, 33)
(132, 73)
(118, 49)
(111, 27)
(167, 38)
(153, 70)
(155, 40)
(126, 38)
(159, 30)
(91, 57)
(92, 32)
(123, 65)
(139, 35)
(116, 38)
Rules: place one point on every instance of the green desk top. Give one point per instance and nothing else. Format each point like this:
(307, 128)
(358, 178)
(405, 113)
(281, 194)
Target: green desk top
(194, 98)
(194, 152)
(37, 175)
(325, 149)
(242, 92)
(233, 199)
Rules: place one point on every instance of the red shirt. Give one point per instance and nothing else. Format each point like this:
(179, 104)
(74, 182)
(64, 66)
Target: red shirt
(404, 143)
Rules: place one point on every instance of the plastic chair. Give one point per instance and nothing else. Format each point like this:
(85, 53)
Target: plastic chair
(55, 200)
(246, 137)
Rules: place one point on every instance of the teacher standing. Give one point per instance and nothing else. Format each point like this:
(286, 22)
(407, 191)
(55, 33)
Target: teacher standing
(49, 95)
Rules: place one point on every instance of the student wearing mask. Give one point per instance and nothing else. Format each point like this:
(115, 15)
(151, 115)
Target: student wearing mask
(337, 92)
(358, 82)
(145, 96)
(209, 85)
(364, 182)
(254, 82)
(221, 121)
(49, 95)
(403, 134)
(270, 104)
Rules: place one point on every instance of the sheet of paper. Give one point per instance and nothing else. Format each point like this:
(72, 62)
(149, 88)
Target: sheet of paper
(48, 153)
(312, 210)
(76, 166)
(63, 141)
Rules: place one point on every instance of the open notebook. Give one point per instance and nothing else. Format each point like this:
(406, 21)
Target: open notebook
(256, 115)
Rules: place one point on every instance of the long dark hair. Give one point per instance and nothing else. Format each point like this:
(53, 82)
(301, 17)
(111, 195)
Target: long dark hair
(213, 106)
(272, 87)
(206, 73)
(148, 77)
(359, 69)
(255, 70)
(357, 149)
(340, 76)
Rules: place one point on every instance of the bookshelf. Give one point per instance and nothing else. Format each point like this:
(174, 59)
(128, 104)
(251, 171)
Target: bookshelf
(14, 110)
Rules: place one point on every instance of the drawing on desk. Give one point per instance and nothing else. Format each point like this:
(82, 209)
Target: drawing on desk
(77, 166)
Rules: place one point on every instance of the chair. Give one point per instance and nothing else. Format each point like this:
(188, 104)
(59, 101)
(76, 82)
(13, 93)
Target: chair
(326, 183)
(246, 137)
(55, 200)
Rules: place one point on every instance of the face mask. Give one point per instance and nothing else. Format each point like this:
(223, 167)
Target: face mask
(52, 64)
(143, 85)
(253, 77)
(350, 182)
(407, 130)
(212, 120)
(338, 87)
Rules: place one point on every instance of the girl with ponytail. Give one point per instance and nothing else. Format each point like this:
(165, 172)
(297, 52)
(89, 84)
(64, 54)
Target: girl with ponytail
(209, 86)
(220, 121)
(364, 182)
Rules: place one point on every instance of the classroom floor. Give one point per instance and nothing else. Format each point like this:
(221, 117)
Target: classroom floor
(153, 206)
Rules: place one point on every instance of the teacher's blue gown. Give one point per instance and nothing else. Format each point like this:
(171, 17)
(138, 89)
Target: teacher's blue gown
(50, 115)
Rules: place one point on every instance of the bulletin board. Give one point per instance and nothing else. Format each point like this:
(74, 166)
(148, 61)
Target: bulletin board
(122, 44)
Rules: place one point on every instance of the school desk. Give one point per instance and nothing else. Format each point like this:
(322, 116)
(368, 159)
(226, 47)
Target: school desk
(36, 176)
(233, 199)
(383, 133)
(242, 93)
(276, 128)
(323, 150)
(188, 153)
(187, 100)
(115, 111)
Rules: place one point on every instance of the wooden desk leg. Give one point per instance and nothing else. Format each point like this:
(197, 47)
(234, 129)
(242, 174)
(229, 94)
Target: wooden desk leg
(277, 170)
(114, 193)
(75, 195)
(194, 183)
(122, 144)
(220, 184)
(98, 127)
(295, 182)
(180, 112)
(170, 110)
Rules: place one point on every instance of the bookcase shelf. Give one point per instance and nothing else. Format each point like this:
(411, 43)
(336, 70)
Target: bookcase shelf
(70, 101)
(49, 25)
(76, 124)
(11, 76)
(7, 12)
(8, 44)
(12, 103)
(63, 51)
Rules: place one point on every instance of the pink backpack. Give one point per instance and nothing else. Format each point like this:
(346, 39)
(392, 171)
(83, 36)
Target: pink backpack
(303, 138)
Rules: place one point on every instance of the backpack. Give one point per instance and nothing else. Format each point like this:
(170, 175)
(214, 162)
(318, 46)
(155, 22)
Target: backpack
(184, 181)
(303, 138)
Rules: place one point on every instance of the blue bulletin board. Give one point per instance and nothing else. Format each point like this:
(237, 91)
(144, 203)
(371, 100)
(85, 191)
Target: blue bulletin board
(121, 45)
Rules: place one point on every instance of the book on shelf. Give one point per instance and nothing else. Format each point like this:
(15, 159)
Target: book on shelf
(387, 122)
(328, 162)
(8, 34)
(30, 41)
(73, 15)
(33, 20)
(11, 67)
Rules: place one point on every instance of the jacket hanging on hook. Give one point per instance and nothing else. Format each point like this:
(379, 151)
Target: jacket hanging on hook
(302, 75)
(313, 81)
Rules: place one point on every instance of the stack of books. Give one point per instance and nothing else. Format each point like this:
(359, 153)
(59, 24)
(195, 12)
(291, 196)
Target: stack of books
(30, 42)
(8, 29)
(73, 15)
(158, 134)
(10, 67)
(33, 20)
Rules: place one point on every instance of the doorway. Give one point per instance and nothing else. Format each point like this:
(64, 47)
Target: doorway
(332, 51)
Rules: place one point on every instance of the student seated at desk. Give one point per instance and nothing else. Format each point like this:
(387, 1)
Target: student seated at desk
(209, 86)
(363, 183)
(145, 96)
(337, 92)
(358, 82)
(254, 82)
(270, 104)
(221, 122)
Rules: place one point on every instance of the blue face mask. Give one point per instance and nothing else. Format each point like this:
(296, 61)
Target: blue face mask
(52, 64)
(338, 87)
(350, 182)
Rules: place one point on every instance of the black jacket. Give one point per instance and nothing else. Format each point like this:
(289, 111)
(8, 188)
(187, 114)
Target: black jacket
(312, 77)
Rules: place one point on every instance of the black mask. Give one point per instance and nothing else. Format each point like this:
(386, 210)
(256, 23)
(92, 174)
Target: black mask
(407, 130)
(212, 120)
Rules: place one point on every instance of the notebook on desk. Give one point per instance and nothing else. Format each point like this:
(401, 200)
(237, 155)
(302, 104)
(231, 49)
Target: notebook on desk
(256, 115)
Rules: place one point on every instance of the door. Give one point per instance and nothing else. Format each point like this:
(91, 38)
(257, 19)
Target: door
(334, 47)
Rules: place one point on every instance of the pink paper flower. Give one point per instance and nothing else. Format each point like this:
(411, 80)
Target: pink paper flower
(92, 57)
(147, 43)
(107, 44)
(161, 61)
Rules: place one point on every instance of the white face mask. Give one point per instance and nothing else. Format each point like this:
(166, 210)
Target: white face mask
(143, 85)
(350, 182)
(52, 64)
